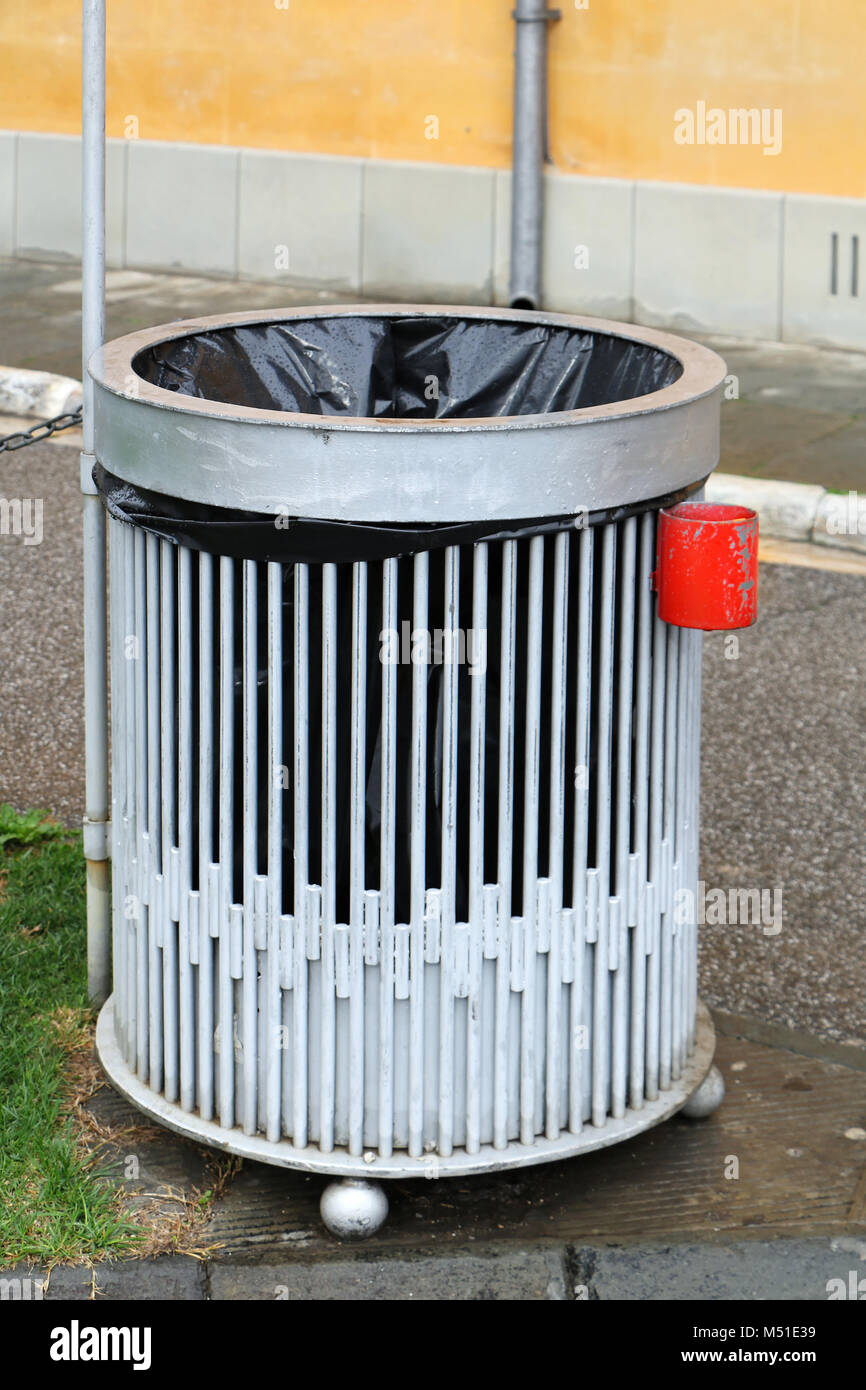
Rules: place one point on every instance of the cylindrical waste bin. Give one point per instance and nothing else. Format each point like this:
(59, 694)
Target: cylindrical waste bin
(405, 765)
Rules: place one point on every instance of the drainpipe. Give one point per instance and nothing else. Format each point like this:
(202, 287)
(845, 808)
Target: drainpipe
(531, 18)
(96, 816)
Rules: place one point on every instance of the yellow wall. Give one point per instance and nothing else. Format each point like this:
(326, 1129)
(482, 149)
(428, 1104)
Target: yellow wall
(360, 77)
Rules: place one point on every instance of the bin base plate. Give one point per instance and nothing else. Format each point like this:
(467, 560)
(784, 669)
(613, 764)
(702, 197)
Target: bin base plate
(400, 1165)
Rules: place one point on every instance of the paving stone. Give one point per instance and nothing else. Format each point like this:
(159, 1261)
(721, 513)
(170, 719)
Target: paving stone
(179, 1278)
(527, 1275)
(752, 1270)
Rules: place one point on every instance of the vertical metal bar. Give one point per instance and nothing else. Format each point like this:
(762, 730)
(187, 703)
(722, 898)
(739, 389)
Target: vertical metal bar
(418, 862)
(531, 775)
(300, 1005)
(656, 830)
(154, 816)
(637, 1058)
(118, 821)
(274, 1033)
(505, 840)
(328, 1016)
(387, 866)
(168, 791)
(141, 801)
(559, 677)
(185, 696)
(249, 711)
(226, 843)
(577, 1022)
(696, 828)
(450, 673)
(667, 906)
(601, 990)
(206, 619)
(357, 868)
(625, 681)
(687, 895)
(135, 925)
(96, 848)
(477, 734)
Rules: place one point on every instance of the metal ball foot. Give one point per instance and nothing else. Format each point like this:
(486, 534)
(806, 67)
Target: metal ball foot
(707, 1098)
(353, 1208)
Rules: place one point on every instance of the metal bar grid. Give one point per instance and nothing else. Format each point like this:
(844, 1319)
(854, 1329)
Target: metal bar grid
(525, 971)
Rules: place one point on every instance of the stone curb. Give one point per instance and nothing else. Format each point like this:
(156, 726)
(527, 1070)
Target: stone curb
(41, 394)
(790, 1268)
(797, 511)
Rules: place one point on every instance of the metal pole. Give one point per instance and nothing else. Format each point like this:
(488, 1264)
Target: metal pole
(96, 822)
(531, 18)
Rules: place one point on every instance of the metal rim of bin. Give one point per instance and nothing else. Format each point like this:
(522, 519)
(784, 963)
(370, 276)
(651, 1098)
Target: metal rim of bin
(341, 467)
(373, 1165)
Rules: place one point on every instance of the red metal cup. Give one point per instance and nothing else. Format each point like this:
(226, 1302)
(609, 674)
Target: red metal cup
(707, 566)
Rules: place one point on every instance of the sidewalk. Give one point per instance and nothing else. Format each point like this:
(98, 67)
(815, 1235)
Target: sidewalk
(765, 1200)
(800, 415)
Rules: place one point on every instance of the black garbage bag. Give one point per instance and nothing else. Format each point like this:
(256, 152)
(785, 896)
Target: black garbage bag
(418, 367)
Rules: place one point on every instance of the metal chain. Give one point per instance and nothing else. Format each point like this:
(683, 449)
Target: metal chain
(43, 430)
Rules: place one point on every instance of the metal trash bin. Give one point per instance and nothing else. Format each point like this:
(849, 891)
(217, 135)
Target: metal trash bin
(405, 766)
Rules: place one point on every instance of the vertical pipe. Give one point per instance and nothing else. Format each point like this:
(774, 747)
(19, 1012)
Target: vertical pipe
(96, 847)
(531, 18)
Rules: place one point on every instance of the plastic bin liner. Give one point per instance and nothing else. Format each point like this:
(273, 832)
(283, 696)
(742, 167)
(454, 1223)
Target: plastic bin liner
(423, 366)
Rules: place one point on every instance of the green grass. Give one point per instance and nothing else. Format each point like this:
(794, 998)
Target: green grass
(53, 1205)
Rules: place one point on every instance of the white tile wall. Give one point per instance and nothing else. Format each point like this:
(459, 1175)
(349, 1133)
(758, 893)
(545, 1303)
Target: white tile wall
(302, 208)
(428, 232)
(721, 260)
(818, 306)
(182, 207)
(708, 259)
